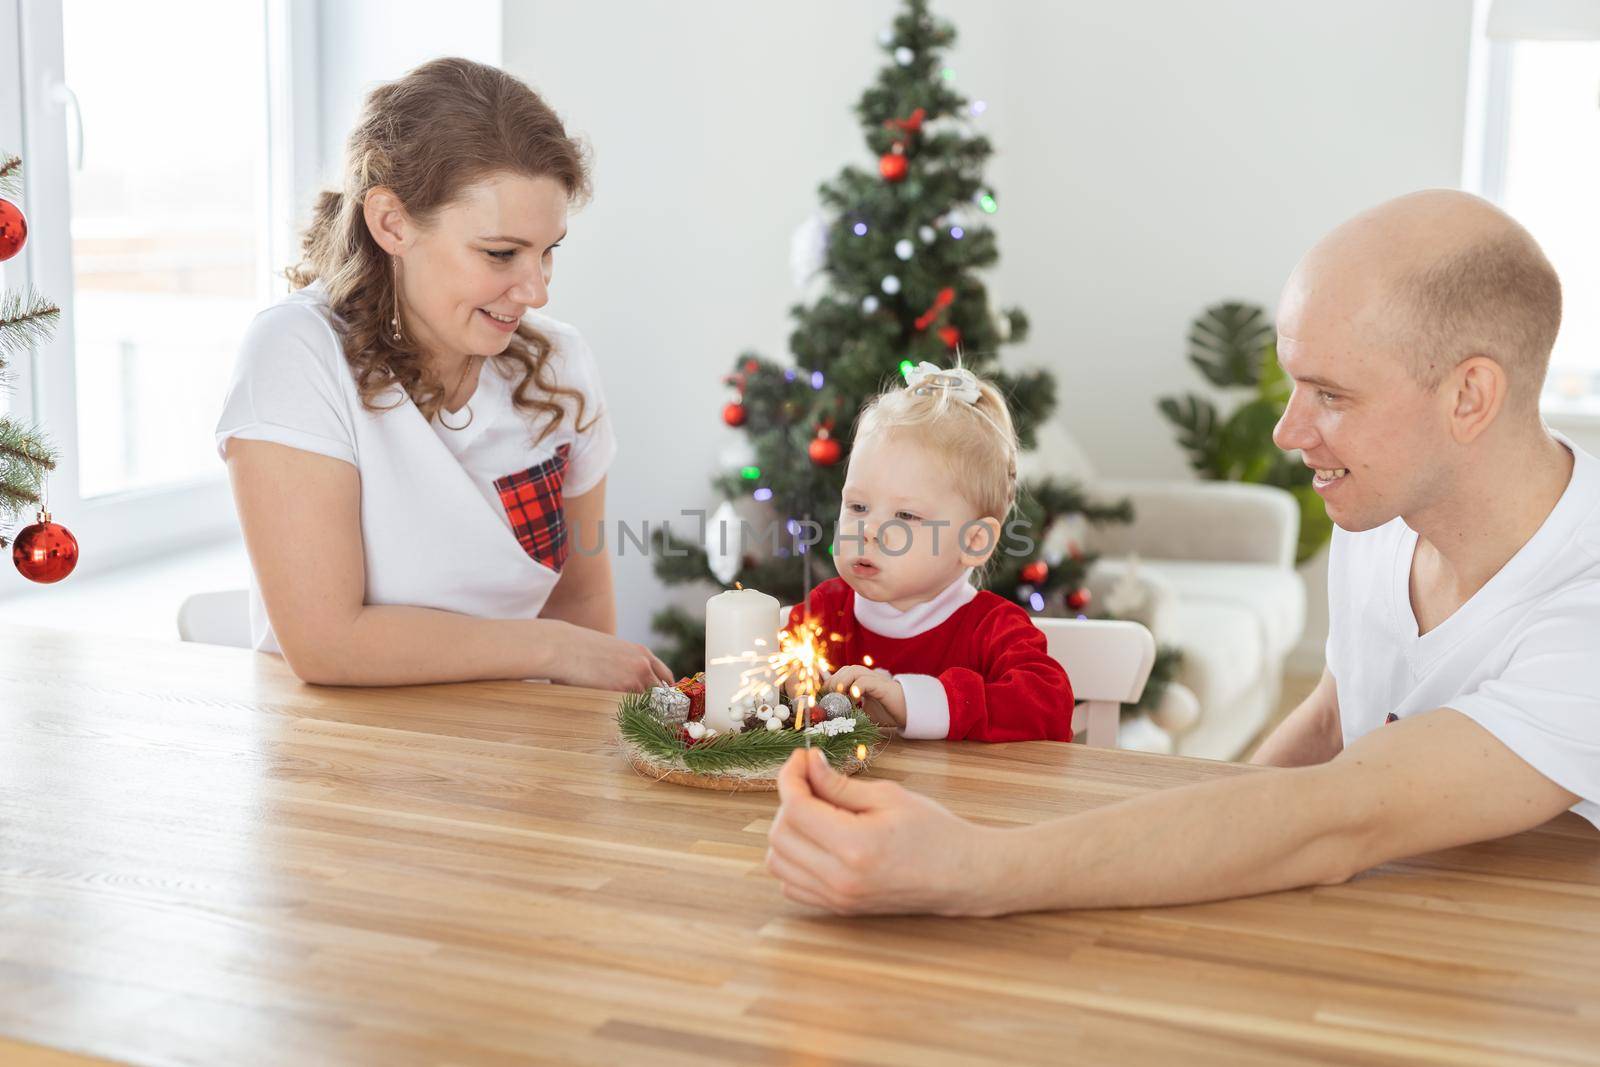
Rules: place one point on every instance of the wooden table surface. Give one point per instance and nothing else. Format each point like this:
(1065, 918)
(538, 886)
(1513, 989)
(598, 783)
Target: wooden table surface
(204, 861)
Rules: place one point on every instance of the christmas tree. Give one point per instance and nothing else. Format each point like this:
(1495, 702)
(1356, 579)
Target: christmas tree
(899, 248)
(26, 320)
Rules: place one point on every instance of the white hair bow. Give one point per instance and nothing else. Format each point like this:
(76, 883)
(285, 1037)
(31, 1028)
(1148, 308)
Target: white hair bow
(957, 380)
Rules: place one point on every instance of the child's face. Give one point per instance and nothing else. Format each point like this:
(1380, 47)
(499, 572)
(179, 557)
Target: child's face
(905, 529)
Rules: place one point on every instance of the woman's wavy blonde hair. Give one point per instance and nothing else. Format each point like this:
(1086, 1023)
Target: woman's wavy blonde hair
(428, 137)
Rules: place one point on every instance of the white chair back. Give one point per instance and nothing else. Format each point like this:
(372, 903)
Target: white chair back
(221, 618)
(1109, 662)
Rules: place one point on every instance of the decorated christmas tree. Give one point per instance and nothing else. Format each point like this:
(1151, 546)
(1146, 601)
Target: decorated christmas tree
(44, 551)
(898, 250)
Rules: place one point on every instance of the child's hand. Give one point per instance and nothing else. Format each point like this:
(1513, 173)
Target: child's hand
(882, 698)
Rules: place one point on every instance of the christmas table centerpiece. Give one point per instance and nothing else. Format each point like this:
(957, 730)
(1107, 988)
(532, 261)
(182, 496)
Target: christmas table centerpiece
(732, 727)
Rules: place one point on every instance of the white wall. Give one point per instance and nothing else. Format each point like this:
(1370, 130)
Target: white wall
(364, 42)
(1154, 156)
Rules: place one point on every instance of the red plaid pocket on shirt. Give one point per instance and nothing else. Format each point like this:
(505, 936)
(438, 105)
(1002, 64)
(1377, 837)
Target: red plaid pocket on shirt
(532, 500)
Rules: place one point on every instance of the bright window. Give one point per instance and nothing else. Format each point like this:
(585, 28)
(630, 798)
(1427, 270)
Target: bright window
(169, 195)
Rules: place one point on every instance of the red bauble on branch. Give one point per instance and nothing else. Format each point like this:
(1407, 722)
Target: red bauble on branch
(45, 552)
(1036, 572)
(893, 165)
(824, 450)
(734, 413)
(13, 229)
(1078, 599)
(950, 336)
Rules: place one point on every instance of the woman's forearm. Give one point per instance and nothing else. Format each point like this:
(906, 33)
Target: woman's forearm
(1254, 833)
(396, 645)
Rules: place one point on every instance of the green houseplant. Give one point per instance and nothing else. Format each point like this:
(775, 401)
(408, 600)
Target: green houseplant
(1235, 347)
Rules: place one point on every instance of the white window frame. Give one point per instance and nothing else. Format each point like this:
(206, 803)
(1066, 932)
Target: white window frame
(123, 527)
(1483, 171)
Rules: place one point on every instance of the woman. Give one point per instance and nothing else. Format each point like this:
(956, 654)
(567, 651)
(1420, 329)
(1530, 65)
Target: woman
(412, 451)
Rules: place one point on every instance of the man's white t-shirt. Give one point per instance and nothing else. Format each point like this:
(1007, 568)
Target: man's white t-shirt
(1521, 658)
(469, 520)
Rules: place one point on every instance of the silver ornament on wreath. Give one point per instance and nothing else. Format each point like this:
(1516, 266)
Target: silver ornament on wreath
(837, 706)
(669, 705)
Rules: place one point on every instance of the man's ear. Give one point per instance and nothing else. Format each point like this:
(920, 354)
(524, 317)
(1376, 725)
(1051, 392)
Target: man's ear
(1478, 389)
(978, 539)
(387, 220)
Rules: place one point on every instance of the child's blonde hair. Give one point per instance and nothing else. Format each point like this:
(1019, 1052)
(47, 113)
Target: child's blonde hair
(976, 438)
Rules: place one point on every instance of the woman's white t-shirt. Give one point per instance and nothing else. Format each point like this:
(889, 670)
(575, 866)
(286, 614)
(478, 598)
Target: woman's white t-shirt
(1521, 658)
(469, 520)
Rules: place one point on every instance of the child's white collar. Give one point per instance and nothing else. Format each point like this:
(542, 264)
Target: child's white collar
(886, 619)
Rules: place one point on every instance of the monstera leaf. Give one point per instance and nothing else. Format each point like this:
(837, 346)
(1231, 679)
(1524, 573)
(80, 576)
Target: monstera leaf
(1226, 343)
(1196, 419)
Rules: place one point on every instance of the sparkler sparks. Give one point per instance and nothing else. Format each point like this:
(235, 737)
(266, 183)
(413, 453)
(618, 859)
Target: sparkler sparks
(800, 664)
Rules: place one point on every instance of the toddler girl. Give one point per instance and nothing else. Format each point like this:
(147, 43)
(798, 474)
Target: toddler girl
(931, 481)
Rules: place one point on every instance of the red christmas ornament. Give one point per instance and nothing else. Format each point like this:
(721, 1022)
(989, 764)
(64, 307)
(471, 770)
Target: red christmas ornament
(1036, 572)
(818, 715)
(734, 413)
(13, 229)
(688, 739)
(750, 366)
(893, 166)
(45, 552)
(824, 450)
(950, 336)
(1078, 599)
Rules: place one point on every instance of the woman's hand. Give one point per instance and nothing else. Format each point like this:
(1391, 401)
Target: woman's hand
(882, 698)
(594, 660)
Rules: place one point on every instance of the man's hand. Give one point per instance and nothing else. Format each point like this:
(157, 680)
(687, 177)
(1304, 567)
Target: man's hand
(882, 698)
(859, 847)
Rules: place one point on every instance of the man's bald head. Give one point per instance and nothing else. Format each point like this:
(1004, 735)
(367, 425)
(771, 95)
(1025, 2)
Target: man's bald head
(1443, 276)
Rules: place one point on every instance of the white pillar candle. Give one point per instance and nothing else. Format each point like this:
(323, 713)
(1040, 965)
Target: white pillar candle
(741, 632)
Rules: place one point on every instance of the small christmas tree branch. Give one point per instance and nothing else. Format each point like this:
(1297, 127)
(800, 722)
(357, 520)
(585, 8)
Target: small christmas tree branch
(26, 321)
(25, 448)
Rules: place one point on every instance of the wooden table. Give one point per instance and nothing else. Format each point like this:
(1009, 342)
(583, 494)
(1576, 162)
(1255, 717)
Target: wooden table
(203, 861)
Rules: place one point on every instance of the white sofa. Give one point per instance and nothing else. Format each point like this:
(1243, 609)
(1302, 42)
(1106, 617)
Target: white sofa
(1215, 564)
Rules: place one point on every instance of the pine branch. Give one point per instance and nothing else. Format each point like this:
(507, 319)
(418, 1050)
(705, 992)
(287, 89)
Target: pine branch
(10, 174)
(25, 447)
(26, 321)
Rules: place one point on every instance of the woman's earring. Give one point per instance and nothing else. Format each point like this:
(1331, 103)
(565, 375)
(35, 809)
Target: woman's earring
(394, 320)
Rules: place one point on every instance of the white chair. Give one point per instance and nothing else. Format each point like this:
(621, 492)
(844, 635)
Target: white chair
(221, 618)
(1108, 661)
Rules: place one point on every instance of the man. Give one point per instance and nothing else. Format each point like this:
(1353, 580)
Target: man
(1462, 696)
